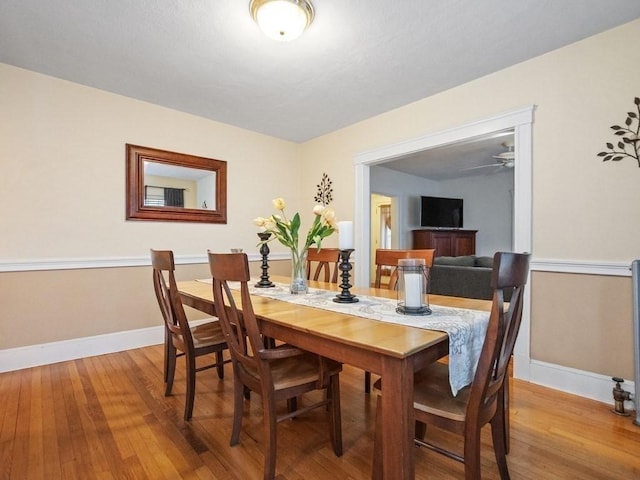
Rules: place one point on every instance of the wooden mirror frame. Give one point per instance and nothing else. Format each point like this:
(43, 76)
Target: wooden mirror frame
(137, 210)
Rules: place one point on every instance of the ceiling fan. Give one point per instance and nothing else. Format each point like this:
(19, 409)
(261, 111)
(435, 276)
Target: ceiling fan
(504, 159)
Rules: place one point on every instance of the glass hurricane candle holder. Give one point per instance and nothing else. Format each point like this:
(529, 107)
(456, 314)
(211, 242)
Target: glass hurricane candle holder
(412, 287)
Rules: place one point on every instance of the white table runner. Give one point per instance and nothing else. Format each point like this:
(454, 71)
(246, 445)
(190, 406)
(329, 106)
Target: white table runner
(466, 328)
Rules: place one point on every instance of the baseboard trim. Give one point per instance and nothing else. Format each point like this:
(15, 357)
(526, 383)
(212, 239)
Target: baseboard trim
(47, 353)
(571, 380)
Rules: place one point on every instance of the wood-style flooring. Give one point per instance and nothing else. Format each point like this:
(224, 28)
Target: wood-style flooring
(105, 417)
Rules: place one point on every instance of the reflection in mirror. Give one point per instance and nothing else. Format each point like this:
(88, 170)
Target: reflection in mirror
(172, 186)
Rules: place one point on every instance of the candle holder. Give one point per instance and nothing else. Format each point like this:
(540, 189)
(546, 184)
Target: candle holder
(264, 251)
(412, 287)
(345, 296)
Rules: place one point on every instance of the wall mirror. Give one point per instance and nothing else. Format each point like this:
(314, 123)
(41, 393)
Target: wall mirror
(175, 187)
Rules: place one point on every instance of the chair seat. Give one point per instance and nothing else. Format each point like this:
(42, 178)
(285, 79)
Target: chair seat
(298, 370)
(207, 334)
(432, 393)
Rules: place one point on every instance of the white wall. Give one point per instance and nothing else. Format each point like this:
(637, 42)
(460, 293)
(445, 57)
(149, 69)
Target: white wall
(488, 208)
(488, 204)
(405, 189)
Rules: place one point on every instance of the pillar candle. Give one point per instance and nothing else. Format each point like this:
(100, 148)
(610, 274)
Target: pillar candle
(412, 290)
(345, 235)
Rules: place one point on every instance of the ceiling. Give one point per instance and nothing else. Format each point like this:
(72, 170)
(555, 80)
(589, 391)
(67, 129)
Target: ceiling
(359, 58)
(474, 157)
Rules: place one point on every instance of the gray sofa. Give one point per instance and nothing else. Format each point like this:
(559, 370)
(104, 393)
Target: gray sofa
(467, 276)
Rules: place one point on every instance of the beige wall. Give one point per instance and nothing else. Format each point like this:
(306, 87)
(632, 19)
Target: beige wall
(62, 196)
(583, 209)
(583, 322)
(49, 306)
(69, 140)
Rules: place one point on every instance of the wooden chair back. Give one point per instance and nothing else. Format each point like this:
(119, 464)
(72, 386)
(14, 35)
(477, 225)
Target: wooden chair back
(510, 271)
(326, 262)
(166, 289)
(387, 260)
(238, 323)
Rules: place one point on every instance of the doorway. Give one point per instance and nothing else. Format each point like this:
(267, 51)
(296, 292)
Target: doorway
(520, 121)
(382, 223)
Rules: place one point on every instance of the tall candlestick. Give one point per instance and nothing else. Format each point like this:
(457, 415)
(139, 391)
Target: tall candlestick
(345, 235)
(345, 296)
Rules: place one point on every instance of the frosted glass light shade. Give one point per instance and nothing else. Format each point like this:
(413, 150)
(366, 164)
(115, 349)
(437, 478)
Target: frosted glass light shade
(282, 20)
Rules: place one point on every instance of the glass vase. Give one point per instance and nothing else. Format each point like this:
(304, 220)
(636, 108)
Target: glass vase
(299, 283)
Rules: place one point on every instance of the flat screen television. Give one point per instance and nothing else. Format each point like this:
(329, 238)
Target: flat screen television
(440, 212)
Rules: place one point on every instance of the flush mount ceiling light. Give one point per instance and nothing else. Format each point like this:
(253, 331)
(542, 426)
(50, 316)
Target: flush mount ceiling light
(282, 20)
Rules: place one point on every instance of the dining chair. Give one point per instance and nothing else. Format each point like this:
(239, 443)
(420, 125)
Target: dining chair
(387, 262)
(481, 402)
(276, 374)
(326, 261)
(181, 339)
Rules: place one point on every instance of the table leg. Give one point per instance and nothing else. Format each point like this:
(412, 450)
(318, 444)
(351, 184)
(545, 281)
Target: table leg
(397, 419)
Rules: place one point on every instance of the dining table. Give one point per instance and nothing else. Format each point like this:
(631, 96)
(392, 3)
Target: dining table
(391, 350)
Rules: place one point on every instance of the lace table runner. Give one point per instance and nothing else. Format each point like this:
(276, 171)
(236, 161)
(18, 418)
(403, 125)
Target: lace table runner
(466, 328)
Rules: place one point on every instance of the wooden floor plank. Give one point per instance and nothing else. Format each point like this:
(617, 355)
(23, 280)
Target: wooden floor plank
(107, 417)
(10, 388)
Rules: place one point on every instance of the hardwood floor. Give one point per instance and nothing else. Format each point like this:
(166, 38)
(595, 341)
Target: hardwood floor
(106, 417)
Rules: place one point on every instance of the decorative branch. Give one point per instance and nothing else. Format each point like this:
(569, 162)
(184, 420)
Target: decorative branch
(629, 144)
(324, 195)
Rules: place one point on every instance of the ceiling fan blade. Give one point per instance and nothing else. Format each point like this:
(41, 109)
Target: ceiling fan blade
(505, 156)
(483, 166)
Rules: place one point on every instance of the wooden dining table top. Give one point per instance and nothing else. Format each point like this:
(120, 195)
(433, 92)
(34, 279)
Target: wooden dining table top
(384, 337)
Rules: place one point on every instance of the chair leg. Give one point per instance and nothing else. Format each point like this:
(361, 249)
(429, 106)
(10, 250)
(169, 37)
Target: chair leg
(270, 437)
(239, 391)
(499, 447)
(292, 404)
(376, 473)
(503, 409)
(169, 368)
(472, 453)
(191, 386)
(335, 416)
(421, 430)
(367, 382)
(220, 364)
(167, 344)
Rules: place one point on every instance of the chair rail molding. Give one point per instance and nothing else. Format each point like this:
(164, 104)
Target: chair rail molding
(586, 267)
(37, 264)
